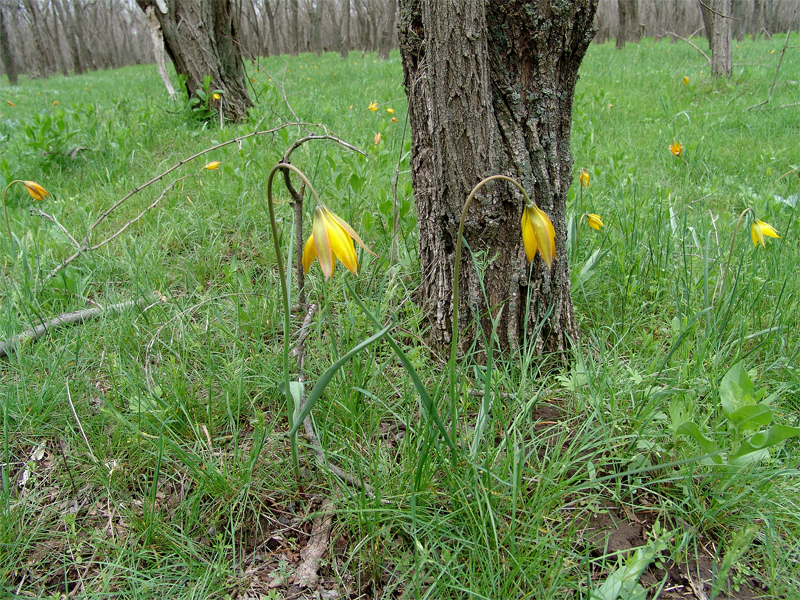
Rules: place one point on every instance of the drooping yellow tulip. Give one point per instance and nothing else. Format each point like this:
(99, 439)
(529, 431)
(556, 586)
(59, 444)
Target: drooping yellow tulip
(377, 138)
(594, 221)
(759, 229)
(685, 80)
(676, 148)
(331, 238)
(216, 96)
(36, 191)
(390, 111)
(584, 178)
(539, 234)
(373, 106)
(212, 165)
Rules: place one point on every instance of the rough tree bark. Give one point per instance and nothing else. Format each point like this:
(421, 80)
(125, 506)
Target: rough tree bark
(490, 86)
(316, 27)
(294, 27)
(628, 28)
(721, 51)
(345, 51)
(201, 38)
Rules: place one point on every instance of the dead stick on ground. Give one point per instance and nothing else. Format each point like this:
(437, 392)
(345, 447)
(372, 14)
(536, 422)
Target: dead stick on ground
(74, 318)
(692, 44)
(306, 574)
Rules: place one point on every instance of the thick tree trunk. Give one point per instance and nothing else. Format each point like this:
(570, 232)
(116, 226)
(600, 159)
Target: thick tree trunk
(9, 64)
(490, 86)
(201, 39)
(68, 28)
(385, 44)
(316, 27)
(294, 27)
(708, 22)
(722, 56)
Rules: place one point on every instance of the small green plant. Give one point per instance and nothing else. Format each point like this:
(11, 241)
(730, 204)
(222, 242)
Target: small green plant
(201, 103)
(47, 135)
(745, 412)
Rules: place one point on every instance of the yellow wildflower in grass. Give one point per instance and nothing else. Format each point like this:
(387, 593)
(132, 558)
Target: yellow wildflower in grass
(331, 238)
(216, 96)
(539, 234)
(594, 221)
(390, 111)
(36, 191)
(394, 120)
(584, 178)
(55, 102)
(212, 165)
(10, 103)
(377, 138)
(759, 229)
(373, 106)
(676, 148)
(685, 80)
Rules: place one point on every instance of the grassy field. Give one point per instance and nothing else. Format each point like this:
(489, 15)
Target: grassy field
(146, 452)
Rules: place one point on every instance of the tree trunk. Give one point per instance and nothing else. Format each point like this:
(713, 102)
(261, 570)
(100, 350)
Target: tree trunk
(316, 27)
(9, 64)
(385, 45)
(708, 22)
(201, 38)
(490, 86)
(345, 51)
(721, 54)
(294, 27)
(622, 33)
(158, 48)
(69, 32)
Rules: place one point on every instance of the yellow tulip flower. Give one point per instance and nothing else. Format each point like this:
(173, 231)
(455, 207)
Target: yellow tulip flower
(10, 103)
(538, 234)
(331, 238)
(390, 111)
(759, 229)
(584, 178)
(594, 221)
(676, 148)
(36, 191)
(373, 106)
(685, 80)
(212, 165)
(216, 96)
(377, 138)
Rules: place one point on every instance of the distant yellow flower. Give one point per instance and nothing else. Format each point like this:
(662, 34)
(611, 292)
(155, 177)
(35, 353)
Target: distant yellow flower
(252, 80)
(55, 102)
(216, 96)
(390, 111)
(772, 51)
(594, 221)
(538, 234)
(584, 178)
(394, 119)
(373, 106)
(10, 103)
(212, 165)
(351, 107)
(377, 138)
(36, 191)
(676, 148)
(759, 229)
(331, 238)
(685, 80)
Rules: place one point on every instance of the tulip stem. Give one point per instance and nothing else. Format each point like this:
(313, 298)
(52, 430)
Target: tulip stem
(456, 269)
(290, 408)
(5, 210)
(733, 241)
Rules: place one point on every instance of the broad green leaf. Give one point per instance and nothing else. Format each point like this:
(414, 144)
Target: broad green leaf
(734, 388)
(766, 439)
(708, 446)
(751, 417)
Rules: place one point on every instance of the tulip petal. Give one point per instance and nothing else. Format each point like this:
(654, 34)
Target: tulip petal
(594, 221)
(768, 230)
(350, 231)
(342, 246)
(756, 234)
(309, 253)
(545, 235)
(322, 243)
(528, 237)
(36, 191)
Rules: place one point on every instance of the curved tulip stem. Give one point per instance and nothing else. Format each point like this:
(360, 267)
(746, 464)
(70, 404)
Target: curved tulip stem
(286, 304)
(5, 210)
(456, 269)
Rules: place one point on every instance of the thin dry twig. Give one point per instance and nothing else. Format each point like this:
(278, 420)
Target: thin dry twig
(78, 421)
(74, 318)
(44, 215)
(778, 69)
(691, 43)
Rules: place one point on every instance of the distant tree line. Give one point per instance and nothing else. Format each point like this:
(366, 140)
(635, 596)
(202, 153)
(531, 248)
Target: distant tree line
(43, 37)
(630, 20)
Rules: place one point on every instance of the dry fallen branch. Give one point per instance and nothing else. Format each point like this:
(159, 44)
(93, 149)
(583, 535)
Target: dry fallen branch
(688, 41)
(306, 574)
(74, 318)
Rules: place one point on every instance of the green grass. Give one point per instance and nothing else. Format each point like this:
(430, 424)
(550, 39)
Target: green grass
(192, 493)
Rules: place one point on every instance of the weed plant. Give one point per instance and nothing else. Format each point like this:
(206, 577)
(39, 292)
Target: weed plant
(146, 453)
